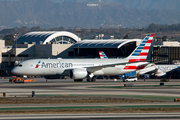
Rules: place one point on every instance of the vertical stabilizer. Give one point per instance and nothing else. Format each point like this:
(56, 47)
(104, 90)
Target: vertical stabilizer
(102, 55)
(141, 52)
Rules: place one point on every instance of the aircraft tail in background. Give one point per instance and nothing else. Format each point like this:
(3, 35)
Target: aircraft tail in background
(140, 53)
(102, 55)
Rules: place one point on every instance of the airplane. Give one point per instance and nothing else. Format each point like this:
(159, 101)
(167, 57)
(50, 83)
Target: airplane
(161, 70)
(158, 70)
(167, 70)
(78, 69)
(150, 68)
(102, 55)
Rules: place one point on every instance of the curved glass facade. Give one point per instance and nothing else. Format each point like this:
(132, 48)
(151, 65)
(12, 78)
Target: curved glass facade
(48, 37)
(63, 40)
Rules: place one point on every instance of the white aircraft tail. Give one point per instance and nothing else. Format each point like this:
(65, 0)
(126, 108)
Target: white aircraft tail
(141, 52)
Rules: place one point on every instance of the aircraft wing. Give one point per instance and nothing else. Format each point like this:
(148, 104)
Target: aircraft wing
(101, 66)
(151, 69)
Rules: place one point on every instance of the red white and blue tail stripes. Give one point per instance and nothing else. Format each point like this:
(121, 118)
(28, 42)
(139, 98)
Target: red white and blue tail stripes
(141, 52)
(102, 55)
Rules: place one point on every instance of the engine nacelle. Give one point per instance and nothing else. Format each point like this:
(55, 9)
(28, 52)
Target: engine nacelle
(78, 74)
(159, 73)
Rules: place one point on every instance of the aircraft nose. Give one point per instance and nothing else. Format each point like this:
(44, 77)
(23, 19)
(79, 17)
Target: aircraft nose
(15, 71)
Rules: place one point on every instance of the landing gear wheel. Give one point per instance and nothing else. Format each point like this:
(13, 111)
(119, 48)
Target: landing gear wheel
(78, 80)
(93, 79)
(88, 79)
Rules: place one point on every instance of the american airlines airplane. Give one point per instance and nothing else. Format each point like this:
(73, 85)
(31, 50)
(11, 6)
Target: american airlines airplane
(163, 70)
(158, 70)
(78, 69)
(102, 55)
(150, 68)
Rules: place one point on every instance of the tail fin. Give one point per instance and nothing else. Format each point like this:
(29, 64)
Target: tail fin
(102, 55)
(141, 52)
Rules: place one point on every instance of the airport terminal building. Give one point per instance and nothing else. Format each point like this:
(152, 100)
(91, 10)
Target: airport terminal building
(34, 45)
(63, 44)
(113, 48)
(167, 53)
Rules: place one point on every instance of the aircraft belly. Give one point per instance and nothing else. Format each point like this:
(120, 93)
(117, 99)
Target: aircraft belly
(112, 71)
(46, 71)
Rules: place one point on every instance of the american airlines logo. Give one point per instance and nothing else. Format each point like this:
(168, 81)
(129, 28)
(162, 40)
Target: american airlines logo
(167, 67)
(38, 64)
(54, 65)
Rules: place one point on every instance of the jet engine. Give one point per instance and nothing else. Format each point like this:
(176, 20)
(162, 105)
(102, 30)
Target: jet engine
(78, 73)
(159, 73)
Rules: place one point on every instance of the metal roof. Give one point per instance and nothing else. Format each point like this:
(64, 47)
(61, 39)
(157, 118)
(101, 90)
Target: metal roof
(45, 36)
(115, 43)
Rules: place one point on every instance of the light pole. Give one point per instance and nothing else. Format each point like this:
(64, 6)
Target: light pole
(141, 32)
(161, 33)
(15, 50)
(78, 49)
(78, 31)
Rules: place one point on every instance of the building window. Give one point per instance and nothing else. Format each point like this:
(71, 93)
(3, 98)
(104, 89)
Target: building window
(12, 55)
(63, 40)
(4, 55)
(71, 53)
(23, 55)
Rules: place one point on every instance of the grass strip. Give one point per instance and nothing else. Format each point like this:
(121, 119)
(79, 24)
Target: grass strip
(134, 86)
(150, 97)
(91, 107)
(115, 110)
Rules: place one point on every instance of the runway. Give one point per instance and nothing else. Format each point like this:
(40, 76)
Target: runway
(123, 116)
(105, 89)
(87, 106)
(69, 87)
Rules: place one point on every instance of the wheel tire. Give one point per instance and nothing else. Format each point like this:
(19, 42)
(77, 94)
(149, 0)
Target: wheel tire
(88, 79)
(93, 79)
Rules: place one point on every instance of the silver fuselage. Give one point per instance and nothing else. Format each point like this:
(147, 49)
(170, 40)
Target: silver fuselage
(59, 66)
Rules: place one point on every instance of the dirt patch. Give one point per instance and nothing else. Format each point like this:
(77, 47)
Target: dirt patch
(118, 110)
(72, 99)
(81, 99)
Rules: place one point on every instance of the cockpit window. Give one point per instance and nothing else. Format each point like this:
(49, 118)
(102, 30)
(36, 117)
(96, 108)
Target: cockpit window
(19, 65)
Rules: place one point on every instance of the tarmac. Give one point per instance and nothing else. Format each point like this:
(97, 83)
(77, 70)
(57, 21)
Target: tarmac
(147, 90)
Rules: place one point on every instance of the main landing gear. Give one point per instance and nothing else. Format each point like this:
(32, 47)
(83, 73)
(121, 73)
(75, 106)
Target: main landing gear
(93, 79)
